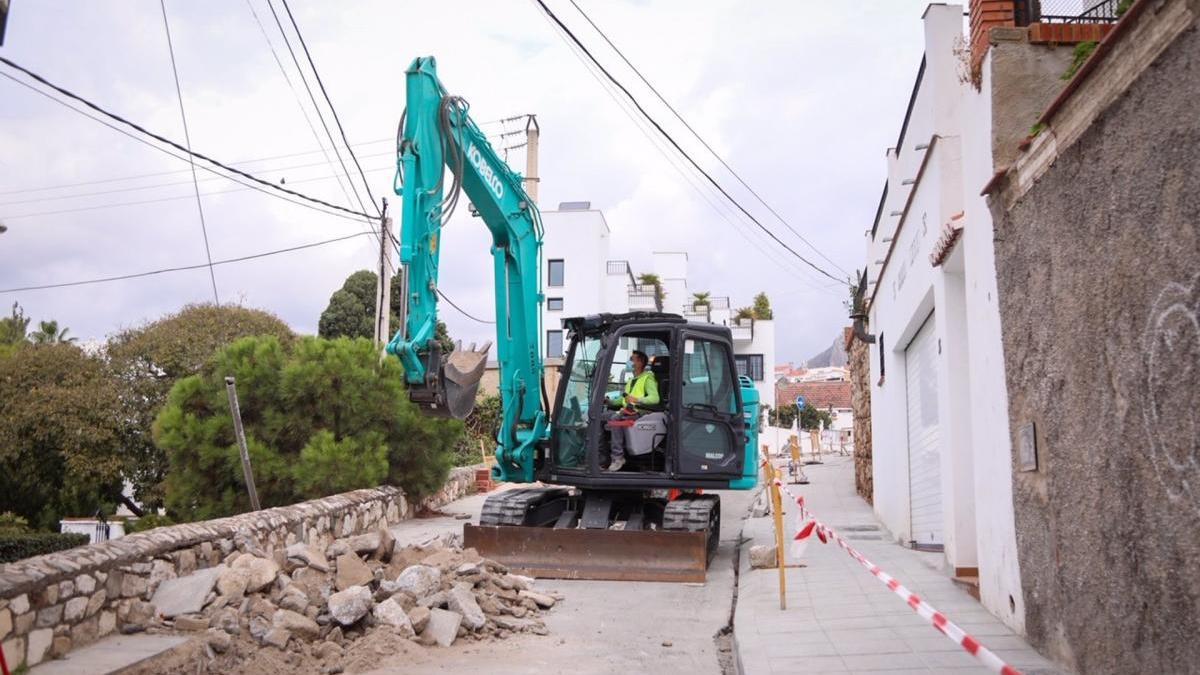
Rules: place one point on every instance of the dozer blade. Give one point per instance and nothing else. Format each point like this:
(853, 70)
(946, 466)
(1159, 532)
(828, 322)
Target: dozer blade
(457, 383)
(609, 555)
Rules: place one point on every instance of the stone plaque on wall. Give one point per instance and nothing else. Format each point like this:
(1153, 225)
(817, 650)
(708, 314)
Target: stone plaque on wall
(1027, 449)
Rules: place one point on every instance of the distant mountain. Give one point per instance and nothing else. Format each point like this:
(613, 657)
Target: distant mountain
(835, 355)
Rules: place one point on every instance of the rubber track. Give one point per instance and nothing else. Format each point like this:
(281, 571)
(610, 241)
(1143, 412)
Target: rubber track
(509, 507)
(689, 514)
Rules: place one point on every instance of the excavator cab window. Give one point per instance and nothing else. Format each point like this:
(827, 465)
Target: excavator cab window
(571, 423)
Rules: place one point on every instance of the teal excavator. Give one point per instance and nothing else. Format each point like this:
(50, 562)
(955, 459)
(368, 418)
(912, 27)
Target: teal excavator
(573, 517)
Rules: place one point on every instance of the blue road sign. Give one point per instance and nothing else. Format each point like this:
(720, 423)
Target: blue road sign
(799, 402)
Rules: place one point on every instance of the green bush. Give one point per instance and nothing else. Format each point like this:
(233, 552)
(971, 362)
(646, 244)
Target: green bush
(147, 522)
(11, 523)
(321, 417)
(15, 547)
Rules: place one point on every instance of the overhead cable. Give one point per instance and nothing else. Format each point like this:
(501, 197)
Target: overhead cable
(184, 268)
(337, 120)
(162, 139)
(187, 137)
(637, 104)
(700, 138)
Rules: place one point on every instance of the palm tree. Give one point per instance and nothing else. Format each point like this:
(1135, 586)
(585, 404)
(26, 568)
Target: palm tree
(700, 299)
(744, 313)
(48, 334)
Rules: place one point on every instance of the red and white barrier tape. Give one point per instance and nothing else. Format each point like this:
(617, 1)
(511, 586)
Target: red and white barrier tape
(807, 525)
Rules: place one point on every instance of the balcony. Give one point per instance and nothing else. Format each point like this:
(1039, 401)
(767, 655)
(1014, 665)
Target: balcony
(697, 314)
(644, 297)
(1066, 11)
(742, 330)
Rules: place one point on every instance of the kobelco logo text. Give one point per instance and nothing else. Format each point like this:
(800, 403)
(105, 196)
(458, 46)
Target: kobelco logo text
(485, 171)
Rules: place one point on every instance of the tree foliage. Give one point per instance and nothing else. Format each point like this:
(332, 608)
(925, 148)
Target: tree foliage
(482, 425)
(14, 327)
(351, 311)
(321, 416)
(762, 308)
(49, 333)
(149, 360)
(784, 417)
(61, 434)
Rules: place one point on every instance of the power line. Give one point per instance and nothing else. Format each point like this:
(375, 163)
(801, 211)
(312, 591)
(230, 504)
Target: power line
(212, 275)
(337, 120)
(313, 99)
(162, 139)
(148, 144)
(159, 200)
(296, 95)
(726, 213)
(637, 104)
(170, 173)
(155, 186)
(184, 268)
(461, 310)
(701, 138)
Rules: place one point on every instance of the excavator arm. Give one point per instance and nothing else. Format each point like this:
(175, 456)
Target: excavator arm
(437, 134)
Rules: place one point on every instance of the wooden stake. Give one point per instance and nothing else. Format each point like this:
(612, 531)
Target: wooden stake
(235, 411)
(773, 474)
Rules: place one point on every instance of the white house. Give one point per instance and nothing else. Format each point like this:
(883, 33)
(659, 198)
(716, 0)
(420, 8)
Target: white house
(939, 422)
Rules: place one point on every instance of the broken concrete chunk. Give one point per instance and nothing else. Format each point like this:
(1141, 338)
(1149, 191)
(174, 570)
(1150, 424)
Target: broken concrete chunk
(262, 571)
(219, 640)
(544, 601)
(419, 580)
(350, 605)
(462, 600)
(762, 556)
(308, 555)
(439, 558)
(511, 623)
(390, 613)
(297, 624)
(328, 651)
(442, 628)
(352, 572)
(387, 544)
(294, 598)
(232, 583)
(191, 623)
(185, 595)
(259, 625)
(419, 617)
(277, 637)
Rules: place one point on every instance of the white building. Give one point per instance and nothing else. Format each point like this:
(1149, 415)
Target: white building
(939, 421)
(580, 277)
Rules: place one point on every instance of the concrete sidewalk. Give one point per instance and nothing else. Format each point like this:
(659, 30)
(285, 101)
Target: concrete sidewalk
(840, 618)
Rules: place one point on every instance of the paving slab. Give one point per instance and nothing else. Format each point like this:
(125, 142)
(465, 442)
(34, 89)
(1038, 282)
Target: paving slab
(110, 655)
(840, 618)
(185, 595)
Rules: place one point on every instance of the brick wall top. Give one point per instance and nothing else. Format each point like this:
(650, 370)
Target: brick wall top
(24, 575)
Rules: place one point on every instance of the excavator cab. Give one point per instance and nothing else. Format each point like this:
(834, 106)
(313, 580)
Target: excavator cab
(694, 436)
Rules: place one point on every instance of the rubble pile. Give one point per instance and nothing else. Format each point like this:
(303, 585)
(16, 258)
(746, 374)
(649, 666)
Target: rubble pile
(316, 601)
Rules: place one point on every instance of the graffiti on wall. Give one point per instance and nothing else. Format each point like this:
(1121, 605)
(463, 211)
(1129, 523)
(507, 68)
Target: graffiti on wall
(1172, 371)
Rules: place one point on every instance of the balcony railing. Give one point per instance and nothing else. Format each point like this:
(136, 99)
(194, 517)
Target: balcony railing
(742, 330)
(1066, 11)
(698, 313)
(644, 296)
(618, 267)
(718, 303)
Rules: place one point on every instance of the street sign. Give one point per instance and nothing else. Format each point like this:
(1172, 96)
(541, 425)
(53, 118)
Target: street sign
(799, 402)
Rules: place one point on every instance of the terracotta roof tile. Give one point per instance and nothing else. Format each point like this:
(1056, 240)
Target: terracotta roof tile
(817, 394)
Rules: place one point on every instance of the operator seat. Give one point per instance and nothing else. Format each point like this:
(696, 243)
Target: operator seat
(660, 365)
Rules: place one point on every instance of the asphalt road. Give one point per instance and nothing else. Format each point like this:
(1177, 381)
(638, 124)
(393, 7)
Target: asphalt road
(603, 626)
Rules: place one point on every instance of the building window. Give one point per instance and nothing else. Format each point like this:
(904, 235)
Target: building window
(750, 365)
(554, 304)
(556, 273)
(554, 344)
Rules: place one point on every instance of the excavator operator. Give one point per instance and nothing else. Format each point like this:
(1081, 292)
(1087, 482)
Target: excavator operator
(640, 391)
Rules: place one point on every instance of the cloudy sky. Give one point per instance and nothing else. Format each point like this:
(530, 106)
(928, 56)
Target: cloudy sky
(800, 97)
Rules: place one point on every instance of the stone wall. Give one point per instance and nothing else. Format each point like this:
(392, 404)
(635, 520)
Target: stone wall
(860, 401)
(1098, 268)
(53, 603)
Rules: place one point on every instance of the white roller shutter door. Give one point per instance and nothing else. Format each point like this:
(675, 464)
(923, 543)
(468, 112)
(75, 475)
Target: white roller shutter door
(924, 463)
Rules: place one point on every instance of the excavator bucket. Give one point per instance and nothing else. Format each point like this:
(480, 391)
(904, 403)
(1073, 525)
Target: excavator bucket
(608, 555)
(457, 383)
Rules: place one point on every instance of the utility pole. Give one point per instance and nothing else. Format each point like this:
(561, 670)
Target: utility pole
(3, 19)
(383, 289)
(236, 412)
(531, 157)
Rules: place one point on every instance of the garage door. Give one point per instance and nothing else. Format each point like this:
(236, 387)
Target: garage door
(924, 464)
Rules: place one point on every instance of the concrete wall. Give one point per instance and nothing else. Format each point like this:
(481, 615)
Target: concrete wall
(581, 239)
(68, 599)
(1097, 255)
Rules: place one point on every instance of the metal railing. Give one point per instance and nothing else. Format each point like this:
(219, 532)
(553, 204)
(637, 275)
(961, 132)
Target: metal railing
(618, 267)
(718, 303)
(1066, 11)
(644, 296)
